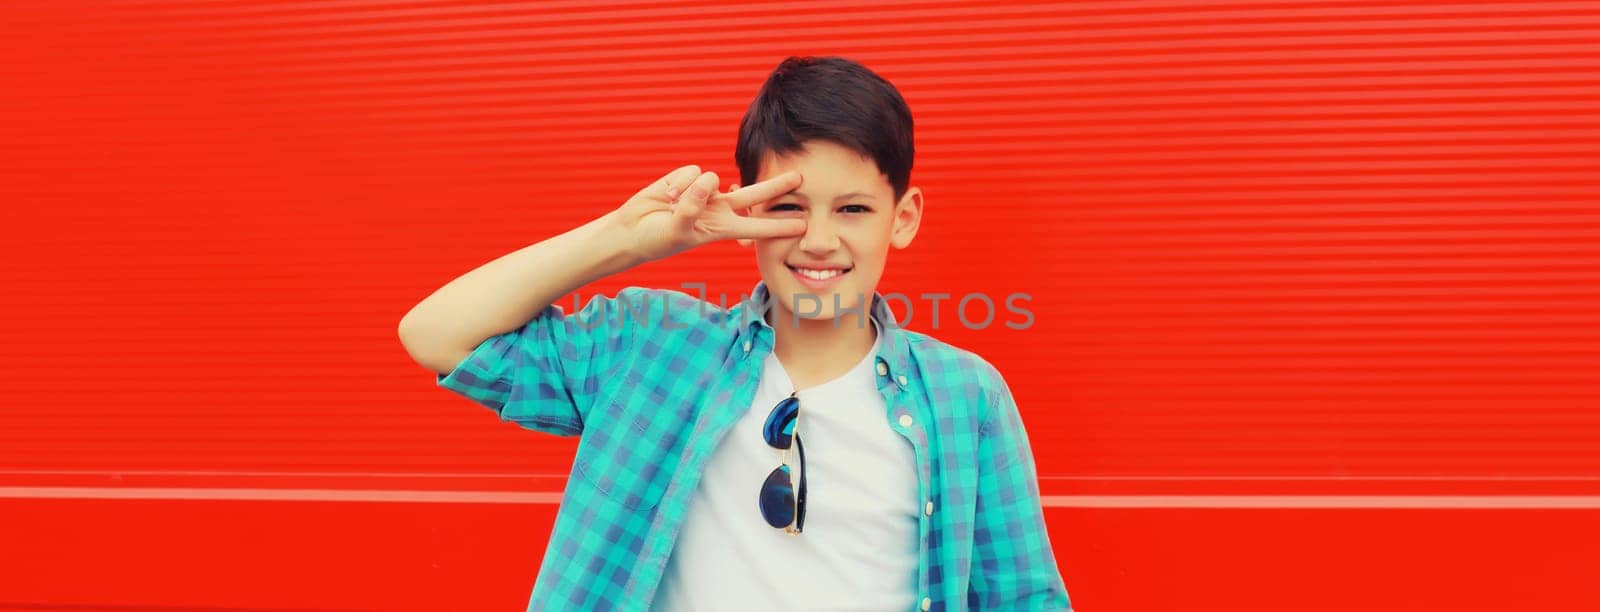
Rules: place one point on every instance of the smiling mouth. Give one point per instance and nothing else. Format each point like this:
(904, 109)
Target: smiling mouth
(820, 275)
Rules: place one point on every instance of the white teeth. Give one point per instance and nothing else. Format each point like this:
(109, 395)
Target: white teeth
(818, 274)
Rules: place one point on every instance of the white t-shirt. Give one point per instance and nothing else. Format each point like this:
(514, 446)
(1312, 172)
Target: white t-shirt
(860, 544)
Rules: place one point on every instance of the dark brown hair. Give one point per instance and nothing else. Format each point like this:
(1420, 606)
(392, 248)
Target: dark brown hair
(827, 98)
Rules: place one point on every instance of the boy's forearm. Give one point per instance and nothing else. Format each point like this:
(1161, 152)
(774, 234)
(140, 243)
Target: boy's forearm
(506, 293)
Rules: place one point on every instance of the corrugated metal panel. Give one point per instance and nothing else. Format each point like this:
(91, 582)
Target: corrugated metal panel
(1279, 248)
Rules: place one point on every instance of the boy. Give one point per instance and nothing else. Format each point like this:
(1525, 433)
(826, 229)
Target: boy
(692, 482)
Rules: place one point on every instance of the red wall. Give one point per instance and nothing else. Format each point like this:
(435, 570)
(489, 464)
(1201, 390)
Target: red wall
(1316, 285)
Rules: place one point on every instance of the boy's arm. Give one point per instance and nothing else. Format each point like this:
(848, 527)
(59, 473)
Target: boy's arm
(493, 335)
(1013, 566)
(506, 293)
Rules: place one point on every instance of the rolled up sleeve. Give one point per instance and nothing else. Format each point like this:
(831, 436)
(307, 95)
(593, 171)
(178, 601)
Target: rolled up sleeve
(546, 375)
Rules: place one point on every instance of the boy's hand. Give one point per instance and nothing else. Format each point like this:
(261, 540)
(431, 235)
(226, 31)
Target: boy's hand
(683, 210)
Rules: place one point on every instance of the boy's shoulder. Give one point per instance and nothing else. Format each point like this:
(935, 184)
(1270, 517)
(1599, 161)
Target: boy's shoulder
(953, 364)
(966, 374)
(952, 372)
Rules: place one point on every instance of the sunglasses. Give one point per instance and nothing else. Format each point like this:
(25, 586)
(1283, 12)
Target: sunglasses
(779, 505)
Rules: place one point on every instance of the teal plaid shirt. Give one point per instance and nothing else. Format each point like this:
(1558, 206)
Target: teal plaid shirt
(652, 379)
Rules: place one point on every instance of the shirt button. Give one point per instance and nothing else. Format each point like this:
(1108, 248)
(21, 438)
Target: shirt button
(902, 380)
(905, 420)
(883, 369)
(926, 603)
(928, 509)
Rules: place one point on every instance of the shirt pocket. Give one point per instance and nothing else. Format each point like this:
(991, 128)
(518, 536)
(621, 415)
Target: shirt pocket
(630, 454)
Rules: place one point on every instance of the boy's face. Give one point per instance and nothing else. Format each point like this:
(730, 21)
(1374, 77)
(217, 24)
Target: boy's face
(851, 221)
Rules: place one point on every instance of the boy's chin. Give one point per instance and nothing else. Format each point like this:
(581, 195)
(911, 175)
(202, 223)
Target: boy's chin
(803, 302)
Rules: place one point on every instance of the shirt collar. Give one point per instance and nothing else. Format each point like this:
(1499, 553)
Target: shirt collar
(893, 362)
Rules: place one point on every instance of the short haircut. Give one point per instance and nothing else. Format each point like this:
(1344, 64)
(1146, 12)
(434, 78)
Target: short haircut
(827, 98)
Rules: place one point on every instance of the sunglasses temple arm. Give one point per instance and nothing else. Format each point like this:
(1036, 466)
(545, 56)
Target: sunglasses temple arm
(800, 502)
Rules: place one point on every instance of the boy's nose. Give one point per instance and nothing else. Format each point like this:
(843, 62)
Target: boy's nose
(819, 237)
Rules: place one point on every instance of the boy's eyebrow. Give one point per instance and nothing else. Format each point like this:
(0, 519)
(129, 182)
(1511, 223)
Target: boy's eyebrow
(848, 196)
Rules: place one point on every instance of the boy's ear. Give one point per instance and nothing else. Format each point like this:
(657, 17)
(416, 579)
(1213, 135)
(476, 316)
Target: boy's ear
(907, 217)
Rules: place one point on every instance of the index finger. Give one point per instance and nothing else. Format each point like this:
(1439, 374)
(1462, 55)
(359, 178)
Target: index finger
(751, 195)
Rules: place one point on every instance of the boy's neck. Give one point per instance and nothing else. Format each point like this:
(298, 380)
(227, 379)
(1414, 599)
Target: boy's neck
(819, 350)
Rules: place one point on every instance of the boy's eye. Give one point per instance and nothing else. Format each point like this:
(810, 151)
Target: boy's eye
(849, 208)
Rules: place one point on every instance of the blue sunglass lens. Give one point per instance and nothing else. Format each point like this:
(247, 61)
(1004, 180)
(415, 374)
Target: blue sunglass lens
(777, 498)
(779, 429)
